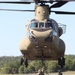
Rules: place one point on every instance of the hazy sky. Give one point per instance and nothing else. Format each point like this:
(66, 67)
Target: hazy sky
(12, 28)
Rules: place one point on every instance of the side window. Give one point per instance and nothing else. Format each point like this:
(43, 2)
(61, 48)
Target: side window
(60, 31)
(55, 25)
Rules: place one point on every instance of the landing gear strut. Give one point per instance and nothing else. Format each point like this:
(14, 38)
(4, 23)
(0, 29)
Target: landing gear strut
(24, 61)
(61, 62)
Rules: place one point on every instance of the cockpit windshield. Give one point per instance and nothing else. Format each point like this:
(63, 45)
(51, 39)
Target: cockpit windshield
(48, 25)
(34, 25)
(41, 25)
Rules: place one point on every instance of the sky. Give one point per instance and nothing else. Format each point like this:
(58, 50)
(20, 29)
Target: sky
(12, 27)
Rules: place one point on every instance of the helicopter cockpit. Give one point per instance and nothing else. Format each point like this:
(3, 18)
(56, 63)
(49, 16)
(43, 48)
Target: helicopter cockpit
(50, 24)
(43, 29)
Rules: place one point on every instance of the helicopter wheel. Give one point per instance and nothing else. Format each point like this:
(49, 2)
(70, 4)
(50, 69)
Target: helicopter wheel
(61, 62)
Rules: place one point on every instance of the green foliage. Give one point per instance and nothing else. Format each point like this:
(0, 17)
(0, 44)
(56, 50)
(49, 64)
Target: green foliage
(21, 69)
(70, 64)
(52, 66)
(11, 65)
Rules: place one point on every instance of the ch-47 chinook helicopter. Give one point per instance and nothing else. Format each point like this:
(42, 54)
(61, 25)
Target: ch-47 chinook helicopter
(42, 40)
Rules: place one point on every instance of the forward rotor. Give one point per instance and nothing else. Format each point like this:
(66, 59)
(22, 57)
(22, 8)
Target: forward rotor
(58, 3)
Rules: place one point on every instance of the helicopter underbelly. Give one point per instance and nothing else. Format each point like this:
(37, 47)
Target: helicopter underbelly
(35, 50)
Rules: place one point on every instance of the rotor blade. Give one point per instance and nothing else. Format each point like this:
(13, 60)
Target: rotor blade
(15, 2)
(58, 4)
(17, 10)
(64, 12)
(66, 0)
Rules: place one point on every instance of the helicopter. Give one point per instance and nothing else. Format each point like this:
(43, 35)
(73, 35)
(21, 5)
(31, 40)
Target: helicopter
(42, 40)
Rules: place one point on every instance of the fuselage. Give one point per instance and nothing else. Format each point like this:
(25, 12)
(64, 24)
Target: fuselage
(42, 37)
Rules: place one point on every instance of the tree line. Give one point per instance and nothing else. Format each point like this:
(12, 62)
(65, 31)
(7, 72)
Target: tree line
(11, 65)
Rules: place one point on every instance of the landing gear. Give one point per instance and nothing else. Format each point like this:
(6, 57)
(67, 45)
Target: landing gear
(61, 62)
(24, 61)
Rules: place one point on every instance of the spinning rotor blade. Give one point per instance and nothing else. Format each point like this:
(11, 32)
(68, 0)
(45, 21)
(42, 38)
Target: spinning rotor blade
(58, 4)
(15, 2)
(67, 0)
(17, 10)
(64, 12)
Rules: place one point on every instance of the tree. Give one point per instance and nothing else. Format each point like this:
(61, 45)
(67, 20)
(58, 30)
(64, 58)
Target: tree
(6, 70)
(21, 69)
(12, 65)
(52, 66)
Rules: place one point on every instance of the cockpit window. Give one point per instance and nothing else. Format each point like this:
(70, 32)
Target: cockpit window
(41, 24)
(34, 25)
(48, 25)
